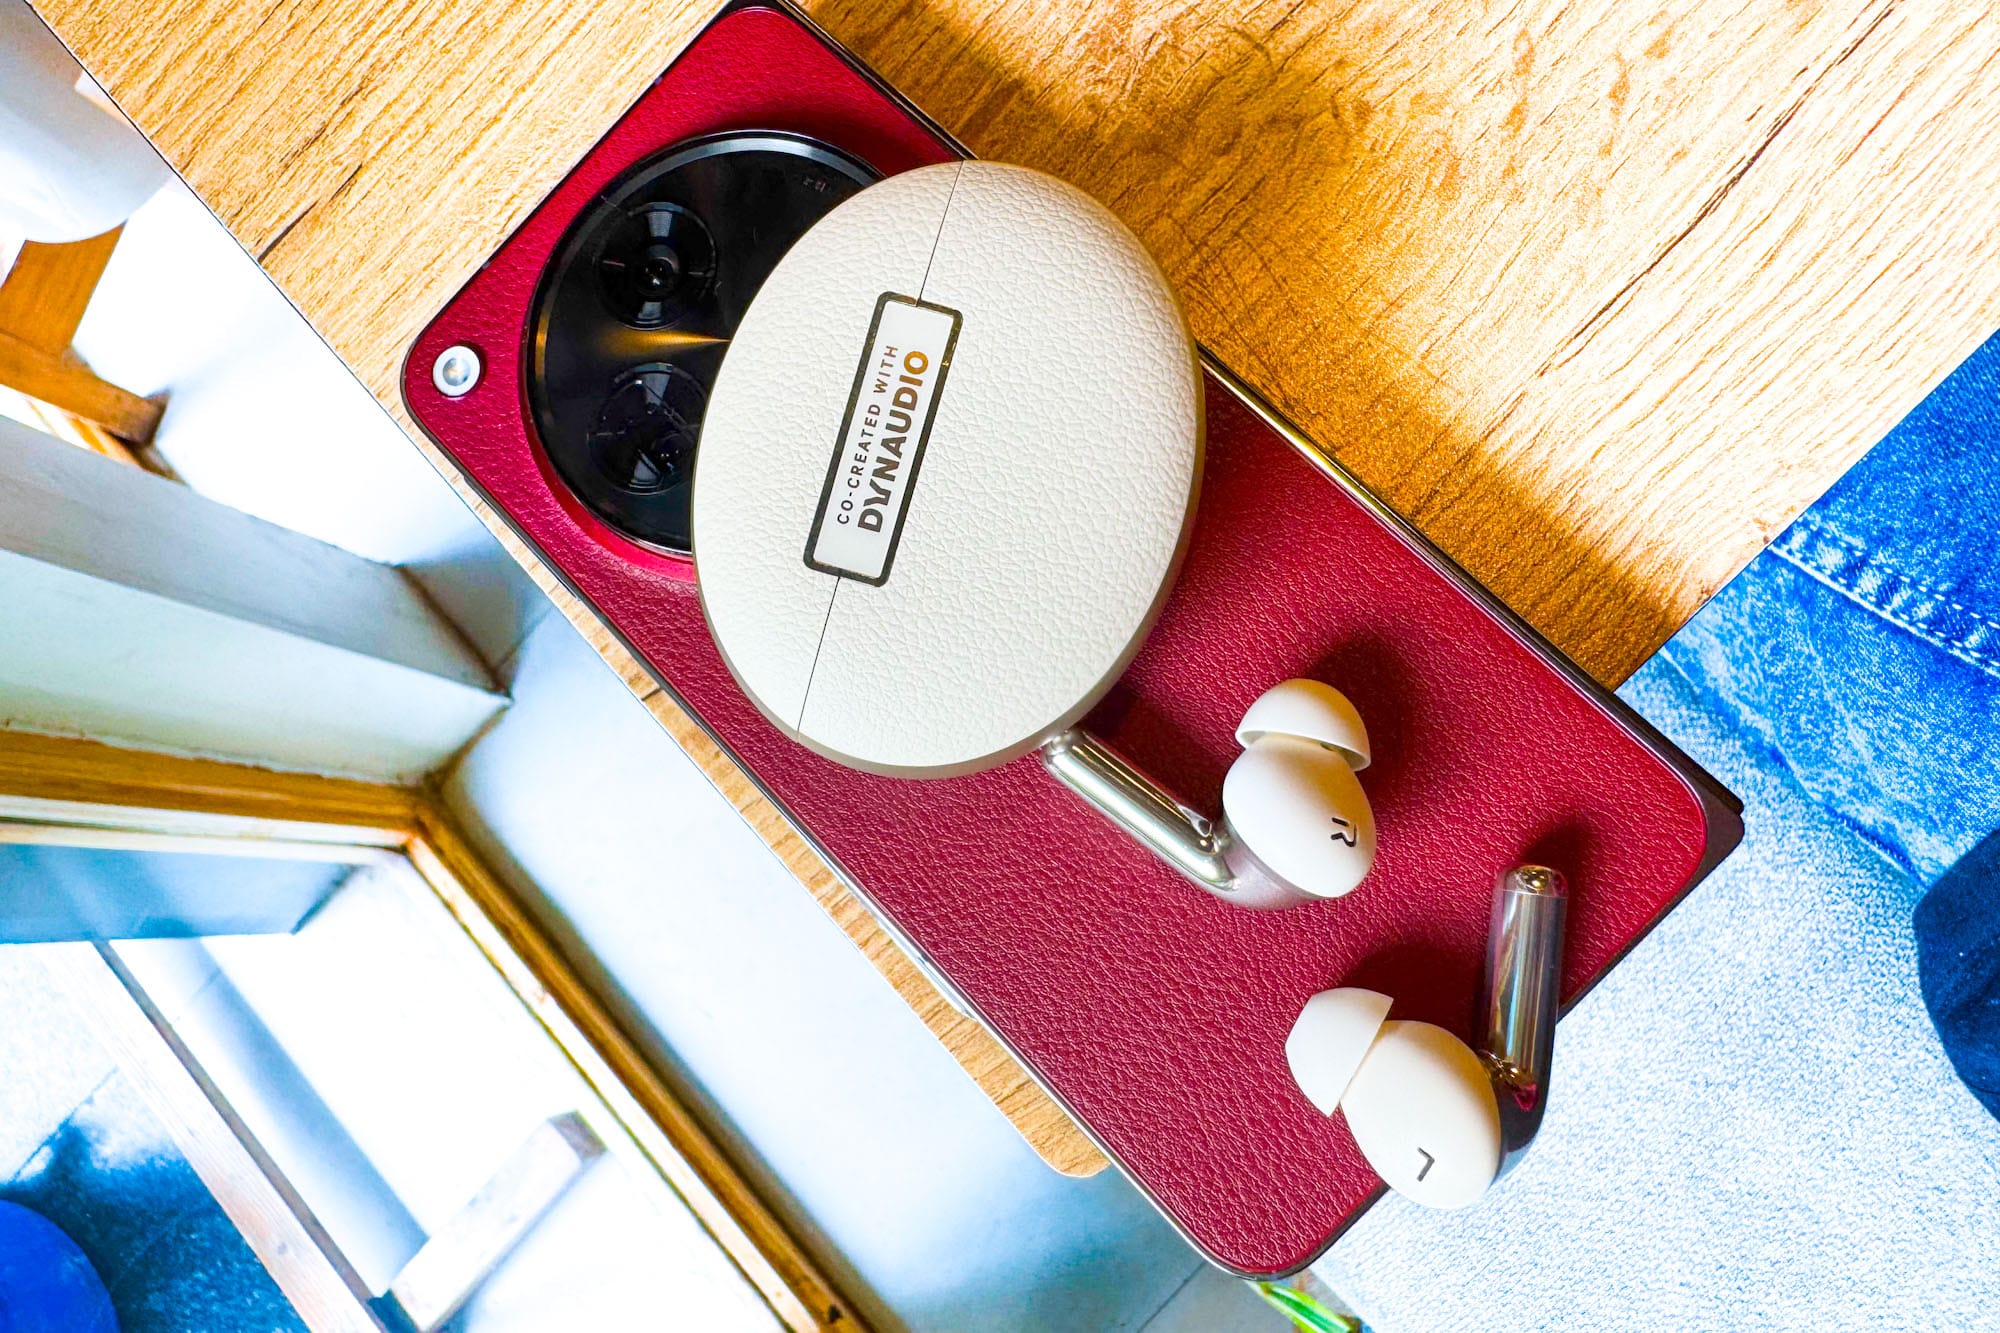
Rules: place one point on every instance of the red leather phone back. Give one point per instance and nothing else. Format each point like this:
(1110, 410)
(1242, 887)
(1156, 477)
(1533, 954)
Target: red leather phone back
(1156, 1013)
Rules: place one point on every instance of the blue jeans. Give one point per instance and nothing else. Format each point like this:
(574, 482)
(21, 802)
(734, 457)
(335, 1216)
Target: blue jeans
(1861, 652)
(1753, 1121)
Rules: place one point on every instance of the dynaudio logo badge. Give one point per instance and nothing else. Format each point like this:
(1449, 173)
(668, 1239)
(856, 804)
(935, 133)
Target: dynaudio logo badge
(881, 442)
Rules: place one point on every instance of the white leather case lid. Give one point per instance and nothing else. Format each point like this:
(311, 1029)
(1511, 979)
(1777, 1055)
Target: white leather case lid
(1055, 486)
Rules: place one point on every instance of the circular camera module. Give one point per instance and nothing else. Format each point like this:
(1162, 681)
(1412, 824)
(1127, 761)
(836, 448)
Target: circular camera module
(636, 309)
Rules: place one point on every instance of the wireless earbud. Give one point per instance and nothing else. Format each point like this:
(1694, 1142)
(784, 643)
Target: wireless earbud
(1296, 826)
(1439, 1122)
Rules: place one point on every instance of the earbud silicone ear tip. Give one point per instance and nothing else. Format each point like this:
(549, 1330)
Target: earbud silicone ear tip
(1422, 1111)
(1302, 813)
(1417, 1100)
(1311, 710)
(1329, 1040)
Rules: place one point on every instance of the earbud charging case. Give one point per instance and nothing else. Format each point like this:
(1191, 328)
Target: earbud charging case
(947, 470)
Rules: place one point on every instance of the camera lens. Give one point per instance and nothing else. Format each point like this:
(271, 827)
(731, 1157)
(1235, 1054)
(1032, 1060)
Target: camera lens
(656, 264)
(645, 435)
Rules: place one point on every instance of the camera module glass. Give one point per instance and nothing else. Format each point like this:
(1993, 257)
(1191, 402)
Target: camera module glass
(656, 264)
(632, 318)
(645, 436)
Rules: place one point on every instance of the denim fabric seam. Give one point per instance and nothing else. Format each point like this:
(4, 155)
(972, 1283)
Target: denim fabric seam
(1860, 575)
(1865, 555)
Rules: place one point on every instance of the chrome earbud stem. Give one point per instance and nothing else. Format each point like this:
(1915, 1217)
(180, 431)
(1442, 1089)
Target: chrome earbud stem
(1522, 996)
(1203, 850)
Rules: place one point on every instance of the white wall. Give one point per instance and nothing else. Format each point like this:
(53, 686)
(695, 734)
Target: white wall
(134, 610)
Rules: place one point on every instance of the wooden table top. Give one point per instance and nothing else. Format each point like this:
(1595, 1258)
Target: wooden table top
(1599, 294)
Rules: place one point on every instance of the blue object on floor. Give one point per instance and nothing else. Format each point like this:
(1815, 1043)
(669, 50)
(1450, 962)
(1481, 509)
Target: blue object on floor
(1958, 957)
(46, 1283)
(167, 1254)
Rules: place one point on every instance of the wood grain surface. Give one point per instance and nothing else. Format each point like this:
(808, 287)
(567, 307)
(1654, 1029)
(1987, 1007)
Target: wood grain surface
(1599, 294)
